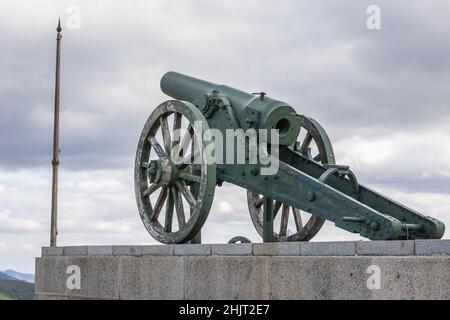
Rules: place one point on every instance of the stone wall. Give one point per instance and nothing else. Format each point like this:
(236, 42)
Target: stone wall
(335, 270)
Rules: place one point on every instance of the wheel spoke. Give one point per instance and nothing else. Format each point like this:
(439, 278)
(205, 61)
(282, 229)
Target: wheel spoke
(176, 128)
(159, 204)
(158, 149)
(284, 220)
(190, 159)
(276, 208)
(189, 177)
(166, 134)
(169, 212)
(306, 143)
(150, 190)
(187, 194)
(178, 203)
(183, 146)
(259, 202)
(187, 138)
(297, 218)
(308, 154)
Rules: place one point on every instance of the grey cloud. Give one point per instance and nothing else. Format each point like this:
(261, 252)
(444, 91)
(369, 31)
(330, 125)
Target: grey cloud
(320, 57)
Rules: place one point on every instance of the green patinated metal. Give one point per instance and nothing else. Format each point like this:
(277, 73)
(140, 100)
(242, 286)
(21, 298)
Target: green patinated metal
(308, 181)
(239, 239)
(268, 213)
(228, 108)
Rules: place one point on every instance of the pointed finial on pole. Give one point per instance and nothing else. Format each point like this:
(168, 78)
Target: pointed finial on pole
(59, 29)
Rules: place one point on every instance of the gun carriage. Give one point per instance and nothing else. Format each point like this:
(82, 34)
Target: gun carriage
(176, 171)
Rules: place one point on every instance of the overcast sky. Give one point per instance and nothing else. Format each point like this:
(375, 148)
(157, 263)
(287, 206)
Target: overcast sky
(382, 95)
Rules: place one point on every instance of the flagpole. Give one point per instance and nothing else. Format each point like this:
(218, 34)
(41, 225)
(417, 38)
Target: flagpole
(55, 161)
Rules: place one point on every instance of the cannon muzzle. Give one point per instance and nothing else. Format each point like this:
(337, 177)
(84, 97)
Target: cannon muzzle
(250, 111)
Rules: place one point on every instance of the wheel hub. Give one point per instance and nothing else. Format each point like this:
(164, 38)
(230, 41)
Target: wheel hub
(162, 172)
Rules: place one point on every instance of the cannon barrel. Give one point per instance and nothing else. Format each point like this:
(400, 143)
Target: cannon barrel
(257, 112)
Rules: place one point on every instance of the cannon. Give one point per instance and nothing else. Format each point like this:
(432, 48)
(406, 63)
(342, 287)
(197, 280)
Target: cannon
(177, 170)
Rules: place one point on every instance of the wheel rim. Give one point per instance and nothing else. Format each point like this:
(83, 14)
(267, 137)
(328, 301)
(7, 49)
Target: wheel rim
(317, 146)
(167, 187)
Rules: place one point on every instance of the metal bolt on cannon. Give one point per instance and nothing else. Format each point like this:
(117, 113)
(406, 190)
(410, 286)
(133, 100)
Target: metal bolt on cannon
(174, 197)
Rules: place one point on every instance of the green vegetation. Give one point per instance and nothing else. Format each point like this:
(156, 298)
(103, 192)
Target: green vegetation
(16, 290)
(4, 297)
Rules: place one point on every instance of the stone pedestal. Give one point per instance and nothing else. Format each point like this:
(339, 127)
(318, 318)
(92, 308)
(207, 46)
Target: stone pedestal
(336, 270)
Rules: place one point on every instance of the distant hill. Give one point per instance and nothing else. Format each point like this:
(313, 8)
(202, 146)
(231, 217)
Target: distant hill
(3, 297)
(28, 277)
(16, 290)
(4, 276)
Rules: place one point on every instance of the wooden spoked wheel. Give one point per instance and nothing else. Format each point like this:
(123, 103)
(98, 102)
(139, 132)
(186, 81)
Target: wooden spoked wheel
(314, 144)
(174, 177)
